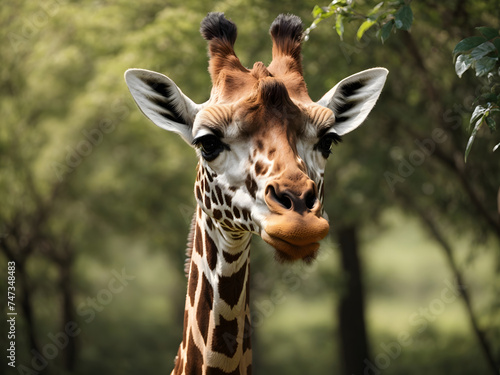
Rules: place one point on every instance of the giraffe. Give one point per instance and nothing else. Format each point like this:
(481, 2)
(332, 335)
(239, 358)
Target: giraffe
(262, 145)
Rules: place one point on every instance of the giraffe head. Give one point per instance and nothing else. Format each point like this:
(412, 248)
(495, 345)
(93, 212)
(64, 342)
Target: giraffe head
(262, 142)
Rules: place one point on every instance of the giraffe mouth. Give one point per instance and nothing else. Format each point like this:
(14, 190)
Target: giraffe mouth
(295, 238)
(286, 251)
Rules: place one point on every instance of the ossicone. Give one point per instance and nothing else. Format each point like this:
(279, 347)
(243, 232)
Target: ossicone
(221, 35)
(216, 26)
(287, 26)
(287, 34)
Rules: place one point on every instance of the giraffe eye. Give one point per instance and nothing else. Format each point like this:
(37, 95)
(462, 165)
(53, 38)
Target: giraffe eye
(326, 143)
(210, 146)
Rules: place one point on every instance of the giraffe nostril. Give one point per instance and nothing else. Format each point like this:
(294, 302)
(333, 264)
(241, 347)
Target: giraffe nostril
(283, 199)
(286, 202)
(310, 200)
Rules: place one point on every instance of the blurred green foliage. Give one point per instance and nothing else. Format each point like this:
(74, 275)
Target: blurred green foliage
(89, 187)
(386, 15)
(481, 53)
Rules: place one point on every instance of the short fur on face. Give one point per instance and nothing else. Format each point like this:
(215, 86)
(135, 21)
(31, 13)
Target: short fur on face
(262, 142)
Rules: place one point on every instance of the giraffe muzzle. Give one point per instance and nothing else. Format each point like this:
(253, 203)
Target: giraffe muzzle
(295, 225)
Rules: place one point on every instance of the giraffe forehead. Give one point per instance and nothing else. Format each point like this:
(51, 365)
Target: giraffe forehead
(288, 121)
(270, 105)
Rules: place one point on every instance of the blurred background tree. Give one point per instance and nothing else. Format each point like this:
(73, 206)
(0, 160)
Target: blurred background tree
(92, 192)
(433, 139)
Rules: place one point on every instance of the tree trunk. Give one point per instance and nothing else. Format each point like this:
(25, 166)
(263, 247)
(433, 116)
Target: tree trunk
(27, 308)
(68, 315)
(351, 310)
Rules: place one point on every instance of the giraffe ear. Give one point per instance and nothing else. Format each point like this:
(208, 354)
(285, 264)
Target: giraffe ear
(352, 99)
(159, 98)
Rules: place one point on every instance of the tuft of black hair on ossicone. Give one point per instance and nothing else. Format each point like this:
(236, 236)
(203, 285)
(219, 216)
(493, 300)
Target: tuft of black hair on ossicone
(287, 26)
(216, 25)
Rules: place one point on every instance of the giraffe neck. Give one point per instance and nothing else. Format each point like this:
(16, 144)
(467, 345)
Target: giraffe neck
(216, 338)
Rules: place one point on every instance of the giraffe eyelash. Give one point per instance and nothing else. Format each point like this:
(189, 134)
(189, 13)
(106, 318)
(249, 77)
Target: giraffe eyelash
(210, 146)
(326, 143)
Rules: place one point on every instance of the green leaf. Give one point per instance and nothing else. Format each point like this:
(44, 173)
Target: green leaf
(491, 123)
(478, 112)
(463, 63)
(485, 65)
(385, 31)
(496, 43)
(404, 18)
(488, 97)
(468, 43)
(472, 137)
(364, 26)
(488, 32)
(339, 25)
(375, 9)
(326, 14)
(317, 10)
(482, 50)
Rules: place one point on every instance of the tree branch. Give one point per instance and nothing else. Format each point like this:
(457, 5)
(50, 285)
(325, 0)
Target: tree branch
(452, 163)
(457, 166)
(419, 63)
